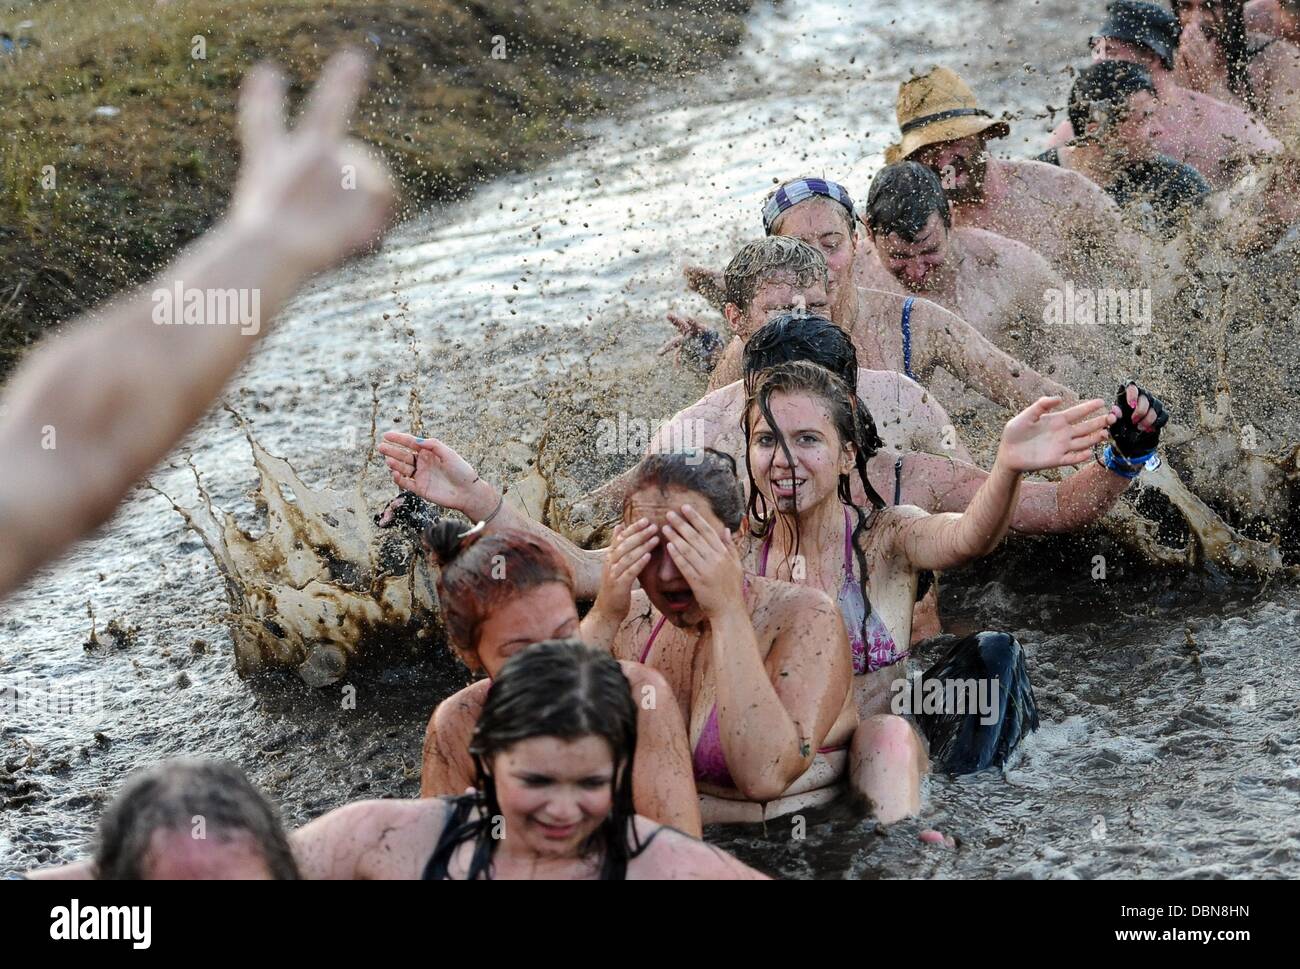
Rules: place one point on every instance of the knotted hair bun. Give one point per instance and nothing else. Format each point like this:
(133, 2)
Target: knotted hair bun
(447, 539)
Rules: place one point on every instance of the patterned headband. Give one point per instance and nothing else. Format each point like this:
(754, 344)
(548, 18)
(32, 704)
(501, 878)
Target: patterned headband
(800, 190)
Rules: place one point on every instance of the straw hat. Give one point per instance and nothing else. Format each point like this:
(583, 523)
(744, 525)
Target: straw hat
(936, 107)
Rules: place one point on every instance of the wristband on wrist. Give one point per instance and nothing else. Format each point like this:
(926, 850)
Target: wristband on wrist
(1122, 465)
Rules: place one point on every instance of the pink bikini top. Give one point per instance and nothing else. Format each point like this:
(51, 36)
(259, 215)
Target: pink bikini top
(708, 761)
(869, 638)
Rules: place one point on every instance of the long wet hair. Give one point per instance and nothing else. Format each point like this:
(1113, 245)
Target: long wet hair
(1232, 36)
(846, 412)
(789, 338)
(169, 797)
(556, 688)
(479, 573)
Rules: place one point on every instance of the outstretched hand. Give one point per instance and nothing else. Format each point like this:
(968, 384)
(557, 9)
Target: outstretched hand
(316, 192)
(1040, 437)
(432, 470)
(700, 344)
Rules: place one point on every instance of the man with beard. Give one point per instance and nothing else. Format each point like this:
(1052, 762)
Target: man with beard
(1217, 138)
(1063, 216)
(994, 283)
(1217, 57)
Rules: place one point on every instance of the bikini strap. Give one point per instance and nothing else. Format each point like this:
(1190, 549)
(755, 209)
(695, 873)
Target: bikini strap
(848, 542)
(898, 481)
(436, 869)
(907, 336)
(651, 641)
(762, 553)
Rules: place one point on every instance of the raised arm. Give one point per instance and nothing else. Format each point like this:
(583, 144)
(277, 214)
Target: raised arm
(91, 412)
(431, 469)
(1037, 438)
(944, 339)
(939, 484)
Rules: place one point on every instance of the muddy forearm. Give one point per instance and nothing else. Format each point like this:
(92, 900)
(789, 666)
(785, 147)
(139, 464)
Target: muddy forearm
(964, 351)
(1084, 497)
(761, 742)
(940, 542)
(91, 413)
(585, 564)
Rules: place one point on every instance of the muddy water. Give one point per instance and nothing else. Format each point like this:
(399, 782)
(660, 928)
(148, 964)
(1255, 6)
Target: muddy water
(1170, 742)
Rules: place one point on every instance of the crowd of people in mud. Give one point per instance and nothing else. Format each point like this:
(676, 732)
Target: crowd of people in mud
(761, 635)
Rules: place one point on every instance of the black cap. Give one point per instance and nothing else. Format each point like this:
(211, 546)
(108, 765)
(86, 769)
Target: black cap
(1153, 27)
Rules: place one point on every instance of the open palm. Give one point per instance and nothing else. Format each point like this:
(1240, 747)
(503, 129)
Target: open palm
(1040, 437)
(429, 468)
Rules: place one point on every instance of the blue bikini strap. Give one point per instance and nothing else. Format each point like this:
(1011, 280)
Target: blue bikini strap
(907, 336)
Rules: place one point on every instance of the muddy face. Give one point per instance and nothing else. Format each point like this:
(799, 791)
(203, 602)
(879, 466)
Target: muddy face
(961, 166)
(1134, 133)
(826, 225)
(916, 263)
(661, 580)
(543, 612)
(554, 793)
(810, 473)
(780, 293)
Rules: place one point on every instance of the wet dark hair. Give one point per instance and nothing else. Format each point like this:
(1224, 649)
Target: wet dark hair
(170, 797)
(479, 573)
(1106, 82)
(1232, 35)
(902, 198)
(710, 474)
(792, 336)
(802, 377)
(555, 688)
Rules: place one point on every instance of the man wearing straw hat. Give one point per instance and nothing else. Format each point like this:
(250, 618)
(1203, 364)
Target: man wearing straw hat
(1070, 221)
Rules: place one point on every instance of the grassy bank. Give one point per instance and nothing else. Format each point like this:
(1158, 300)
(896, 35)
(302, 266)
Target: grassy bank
(117, 142)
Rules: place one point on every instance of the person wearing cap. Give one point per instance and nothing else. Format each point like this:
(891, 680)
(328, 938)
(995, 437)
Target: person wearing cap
(1217, 138)
(994, 283)
(1113, 108)
(891, 332)
(1274, 18)
(1064, 217)
(1217, 56)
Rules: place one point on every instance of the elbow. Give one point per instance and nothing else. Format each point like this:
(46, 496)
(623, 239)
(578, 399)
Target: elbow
(762, 789)
(773, 781)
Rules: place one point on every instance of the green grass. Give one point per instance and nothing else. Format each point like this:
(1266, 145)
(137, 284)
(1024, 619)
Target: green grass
(131, 189)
